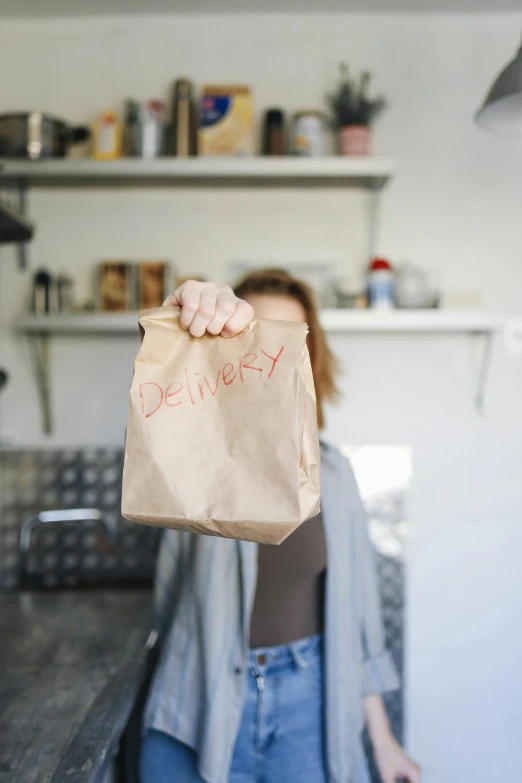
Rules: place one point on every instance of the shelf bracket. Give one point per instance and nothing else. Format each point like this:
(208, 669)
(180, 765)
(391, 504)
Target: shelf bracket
(40, 344)
(22, 204)
(373, 221)
(486, 342)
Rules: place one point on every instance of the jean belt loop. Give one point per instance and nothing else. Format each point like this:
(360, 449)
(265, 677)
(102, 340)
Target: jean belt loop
(298, 659)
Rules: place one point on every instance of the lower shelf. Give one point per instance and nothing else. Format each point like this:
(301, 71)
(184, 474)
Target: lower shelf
(40, 329)
(392, 321)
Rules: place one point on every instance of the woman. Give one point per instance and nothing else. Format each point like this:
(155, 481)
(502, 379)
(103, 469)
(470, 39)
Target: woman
(272, 657)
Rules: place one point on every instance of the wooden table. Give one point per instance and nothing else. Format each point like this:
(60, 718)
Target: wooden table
(71, 666)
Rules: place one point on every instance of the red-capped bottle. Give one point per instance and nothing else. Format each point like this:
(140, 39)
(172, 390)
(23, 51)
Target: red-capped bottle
(380, 284)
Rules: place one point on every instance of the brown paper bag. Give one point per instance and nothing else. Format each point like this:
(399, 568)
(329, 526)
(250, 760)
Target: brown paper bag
(222, 433)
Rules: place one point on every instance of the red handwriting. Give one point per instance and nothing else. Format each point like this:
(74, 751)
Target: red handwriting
(193, 401)
(273, 360)
(169, 393)
(227, 373)
(153, 396)
(247, 365)
(158, 402)
(209, 387)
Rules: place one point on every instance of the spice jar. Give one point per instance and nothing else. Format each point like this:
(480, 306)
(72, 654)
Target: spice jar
(307, 134)
(274, 132)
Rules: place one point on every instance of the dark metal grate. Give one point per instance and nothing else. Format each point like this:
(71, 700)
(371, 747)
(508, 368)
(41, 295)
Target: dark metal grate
(70, 553)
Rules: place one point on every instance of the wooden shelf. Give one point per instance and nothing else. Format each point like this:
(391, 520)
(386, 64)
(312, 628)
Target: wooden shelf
(84, 323)
(415, 323)
(334, 321)
(411, 321)
(333, 171)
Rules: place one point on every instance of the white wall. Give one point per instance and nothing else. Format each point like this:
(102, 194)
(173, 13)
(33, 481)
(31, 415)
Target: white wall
(455, 206)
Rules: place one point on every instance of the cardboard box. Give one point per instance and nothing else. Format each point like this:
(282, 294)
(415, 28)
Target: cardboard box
(227, 121)
(155, 282)
(116, 286)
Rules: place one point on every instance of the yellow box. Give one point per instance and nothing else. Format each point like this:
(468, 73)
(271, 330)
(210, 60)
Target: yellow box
(226, 121)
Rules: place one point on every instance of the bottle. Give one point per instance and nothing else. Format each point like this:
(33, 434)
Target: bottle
(183, 139)
(380, 284)
(106, 137)
(274, 142)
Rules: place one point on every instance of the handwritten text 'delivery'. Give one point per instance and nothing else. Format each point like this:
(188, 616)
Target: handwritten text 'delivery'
(196, 388)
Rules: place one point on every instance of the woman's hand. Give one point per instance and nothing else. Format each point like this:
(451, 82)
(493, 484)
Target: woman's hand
(393, 763)
(207, 307)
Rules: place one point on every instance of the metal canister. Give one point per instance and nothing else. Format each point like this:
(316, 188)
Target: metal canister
(307, 134)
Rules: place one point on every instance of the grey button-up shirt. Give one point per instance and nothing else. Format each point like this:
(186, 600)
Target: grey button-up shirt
(205, 590)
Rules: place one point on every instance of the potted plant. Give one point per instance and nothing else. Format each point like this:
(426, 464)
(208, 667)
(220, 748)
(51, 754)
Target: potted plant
(353, 113)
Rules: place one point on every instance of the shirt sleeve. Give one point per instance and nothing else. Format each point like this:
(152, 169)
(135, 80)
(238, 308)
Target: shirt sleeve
(169, 575)
(378, 671)
(379, 674)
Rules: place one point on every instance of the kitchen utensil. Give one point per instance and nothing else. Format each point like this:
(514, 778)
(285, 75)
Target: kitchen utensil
(36, 135)
(183, 140)
(414, 289)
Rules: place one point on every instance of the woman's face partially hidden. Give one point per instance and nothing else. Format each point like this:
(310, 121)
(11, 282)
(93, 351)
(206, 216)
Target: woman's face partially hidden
(276, 308)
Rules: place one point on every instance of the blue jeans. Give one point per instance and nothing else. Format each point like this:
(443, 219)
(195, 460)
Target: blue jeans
(281, 737)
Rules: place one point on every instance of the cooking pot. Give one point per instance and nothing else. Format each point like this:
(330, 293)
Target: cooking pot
(34, 135)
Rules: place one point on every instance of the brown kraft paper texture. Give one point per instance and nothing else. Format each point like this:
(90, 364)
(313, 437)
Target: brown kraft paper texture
(222, 433)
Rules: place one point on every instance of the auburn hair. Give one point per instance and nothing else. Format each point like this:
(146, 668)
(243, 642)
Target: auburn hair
(325, 368)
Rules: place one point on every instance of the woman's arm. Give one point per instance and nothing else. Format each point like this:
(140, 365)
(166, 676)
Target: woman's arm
(378, 670)
(391, 760)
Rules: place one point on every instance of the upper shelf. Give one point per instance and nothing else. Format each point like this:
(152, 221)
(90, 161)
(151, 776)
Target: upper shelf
(366, 172)
(67, 8)
(334, 321)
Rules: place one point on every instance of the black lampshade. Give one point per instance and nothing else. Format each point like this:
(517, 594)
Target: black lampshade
(501, 111)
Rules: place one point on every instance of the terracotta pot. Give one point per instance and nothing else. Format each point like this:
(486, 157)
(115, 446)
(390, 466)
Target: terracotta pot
(354, 140)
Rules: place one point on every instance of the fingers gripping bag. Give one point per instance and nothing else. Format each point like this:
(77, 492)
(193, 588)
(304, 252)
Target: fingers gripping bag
(222, 433)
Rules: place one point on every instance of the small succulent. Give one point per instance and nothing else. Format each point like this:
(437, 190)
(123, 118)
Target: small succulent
(350, 104)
